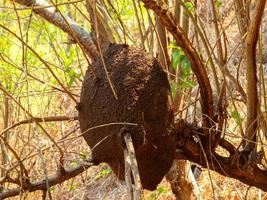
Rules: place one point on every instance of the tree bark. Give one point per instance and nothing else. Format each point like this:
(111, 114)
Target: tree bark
(251, 66)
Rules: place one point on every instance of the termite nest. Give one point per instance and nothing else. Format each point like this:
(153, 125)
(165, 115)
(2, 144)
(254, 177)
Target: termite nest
(143, 107)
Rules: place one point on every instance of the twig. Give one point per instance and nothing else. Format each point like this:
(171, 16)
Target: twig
(40, 119)
(112, 86)
(46, 191)
(139, 24)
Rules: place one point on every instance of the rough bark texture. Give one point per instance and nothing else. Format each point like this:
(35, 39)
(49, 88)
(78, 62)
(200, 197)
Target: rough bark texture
(251, 68)
(143, 98)
(182, 188)
(189, 146)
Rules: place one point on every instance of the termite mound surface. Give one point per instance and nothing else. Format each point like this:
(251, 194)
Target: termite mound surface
(143, 108)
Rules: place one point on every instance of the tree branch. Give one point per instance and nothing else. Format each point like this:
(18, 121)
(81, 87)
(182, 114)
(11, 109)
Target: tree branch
(100, 24)
(189, 140)
(63, 22)
(52, 180)
(252, 94)
(189, 147)
(40, 119)
(168, 20)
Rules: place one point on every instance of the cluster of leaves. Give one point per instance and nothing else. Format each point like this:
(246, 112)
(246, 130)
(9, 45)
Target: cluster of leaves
(181, 63)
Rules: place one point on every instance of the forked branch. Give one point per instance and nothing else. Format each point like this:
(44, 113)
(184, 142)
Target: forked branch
(237, 165)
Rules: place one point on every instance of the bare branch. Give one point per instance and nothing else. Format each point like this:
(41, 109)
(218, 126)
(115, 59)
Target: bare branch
(234, 166)
(100, 23)
(252, 94)
(28, 113)
(52, 15)
(51, 180)
(188, 148)
(40, 119)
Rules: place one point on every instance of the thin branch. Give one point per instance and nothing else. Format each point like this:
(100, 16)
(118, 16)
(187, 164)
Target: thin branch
(217, 34)
(43, 61)
(200, 30)
(48, 6)
(99, 45)
(132, 162)
(65, 23)
(31, 116)
(40, 119)
(139, 24)
(100, 24)
(188, 148)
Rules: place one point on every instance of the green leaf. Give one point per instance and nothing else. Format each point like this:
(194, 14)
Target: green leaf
(186, 84)
(172, 46)
(190, 6)
(218, 3)
(237, 117)
(52, 188)
(174, 88)
(72, 76)
(175, 58)
(74, 163)
(72, 187)
(104, 173)
(155, 194)
(82, 155)
(162, 190)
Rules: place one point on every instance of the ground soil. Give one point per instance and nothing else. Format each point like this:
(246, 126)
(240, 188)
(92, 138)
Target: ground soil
(143, 98)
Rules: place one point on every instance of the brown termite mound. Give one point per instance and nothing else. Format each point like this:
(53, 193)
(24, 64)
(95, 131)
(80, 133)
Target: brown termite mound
(144, 99)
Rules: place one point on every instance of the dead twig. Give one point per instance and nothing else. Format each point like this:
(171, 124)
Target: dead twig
(40, 119)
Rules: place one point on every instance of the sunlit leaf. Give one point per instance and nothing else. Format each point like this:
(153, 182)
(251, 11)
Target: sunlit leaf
(218, 3)
(190, 6)
(174, 88)
(237, 117)
(185, 84)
